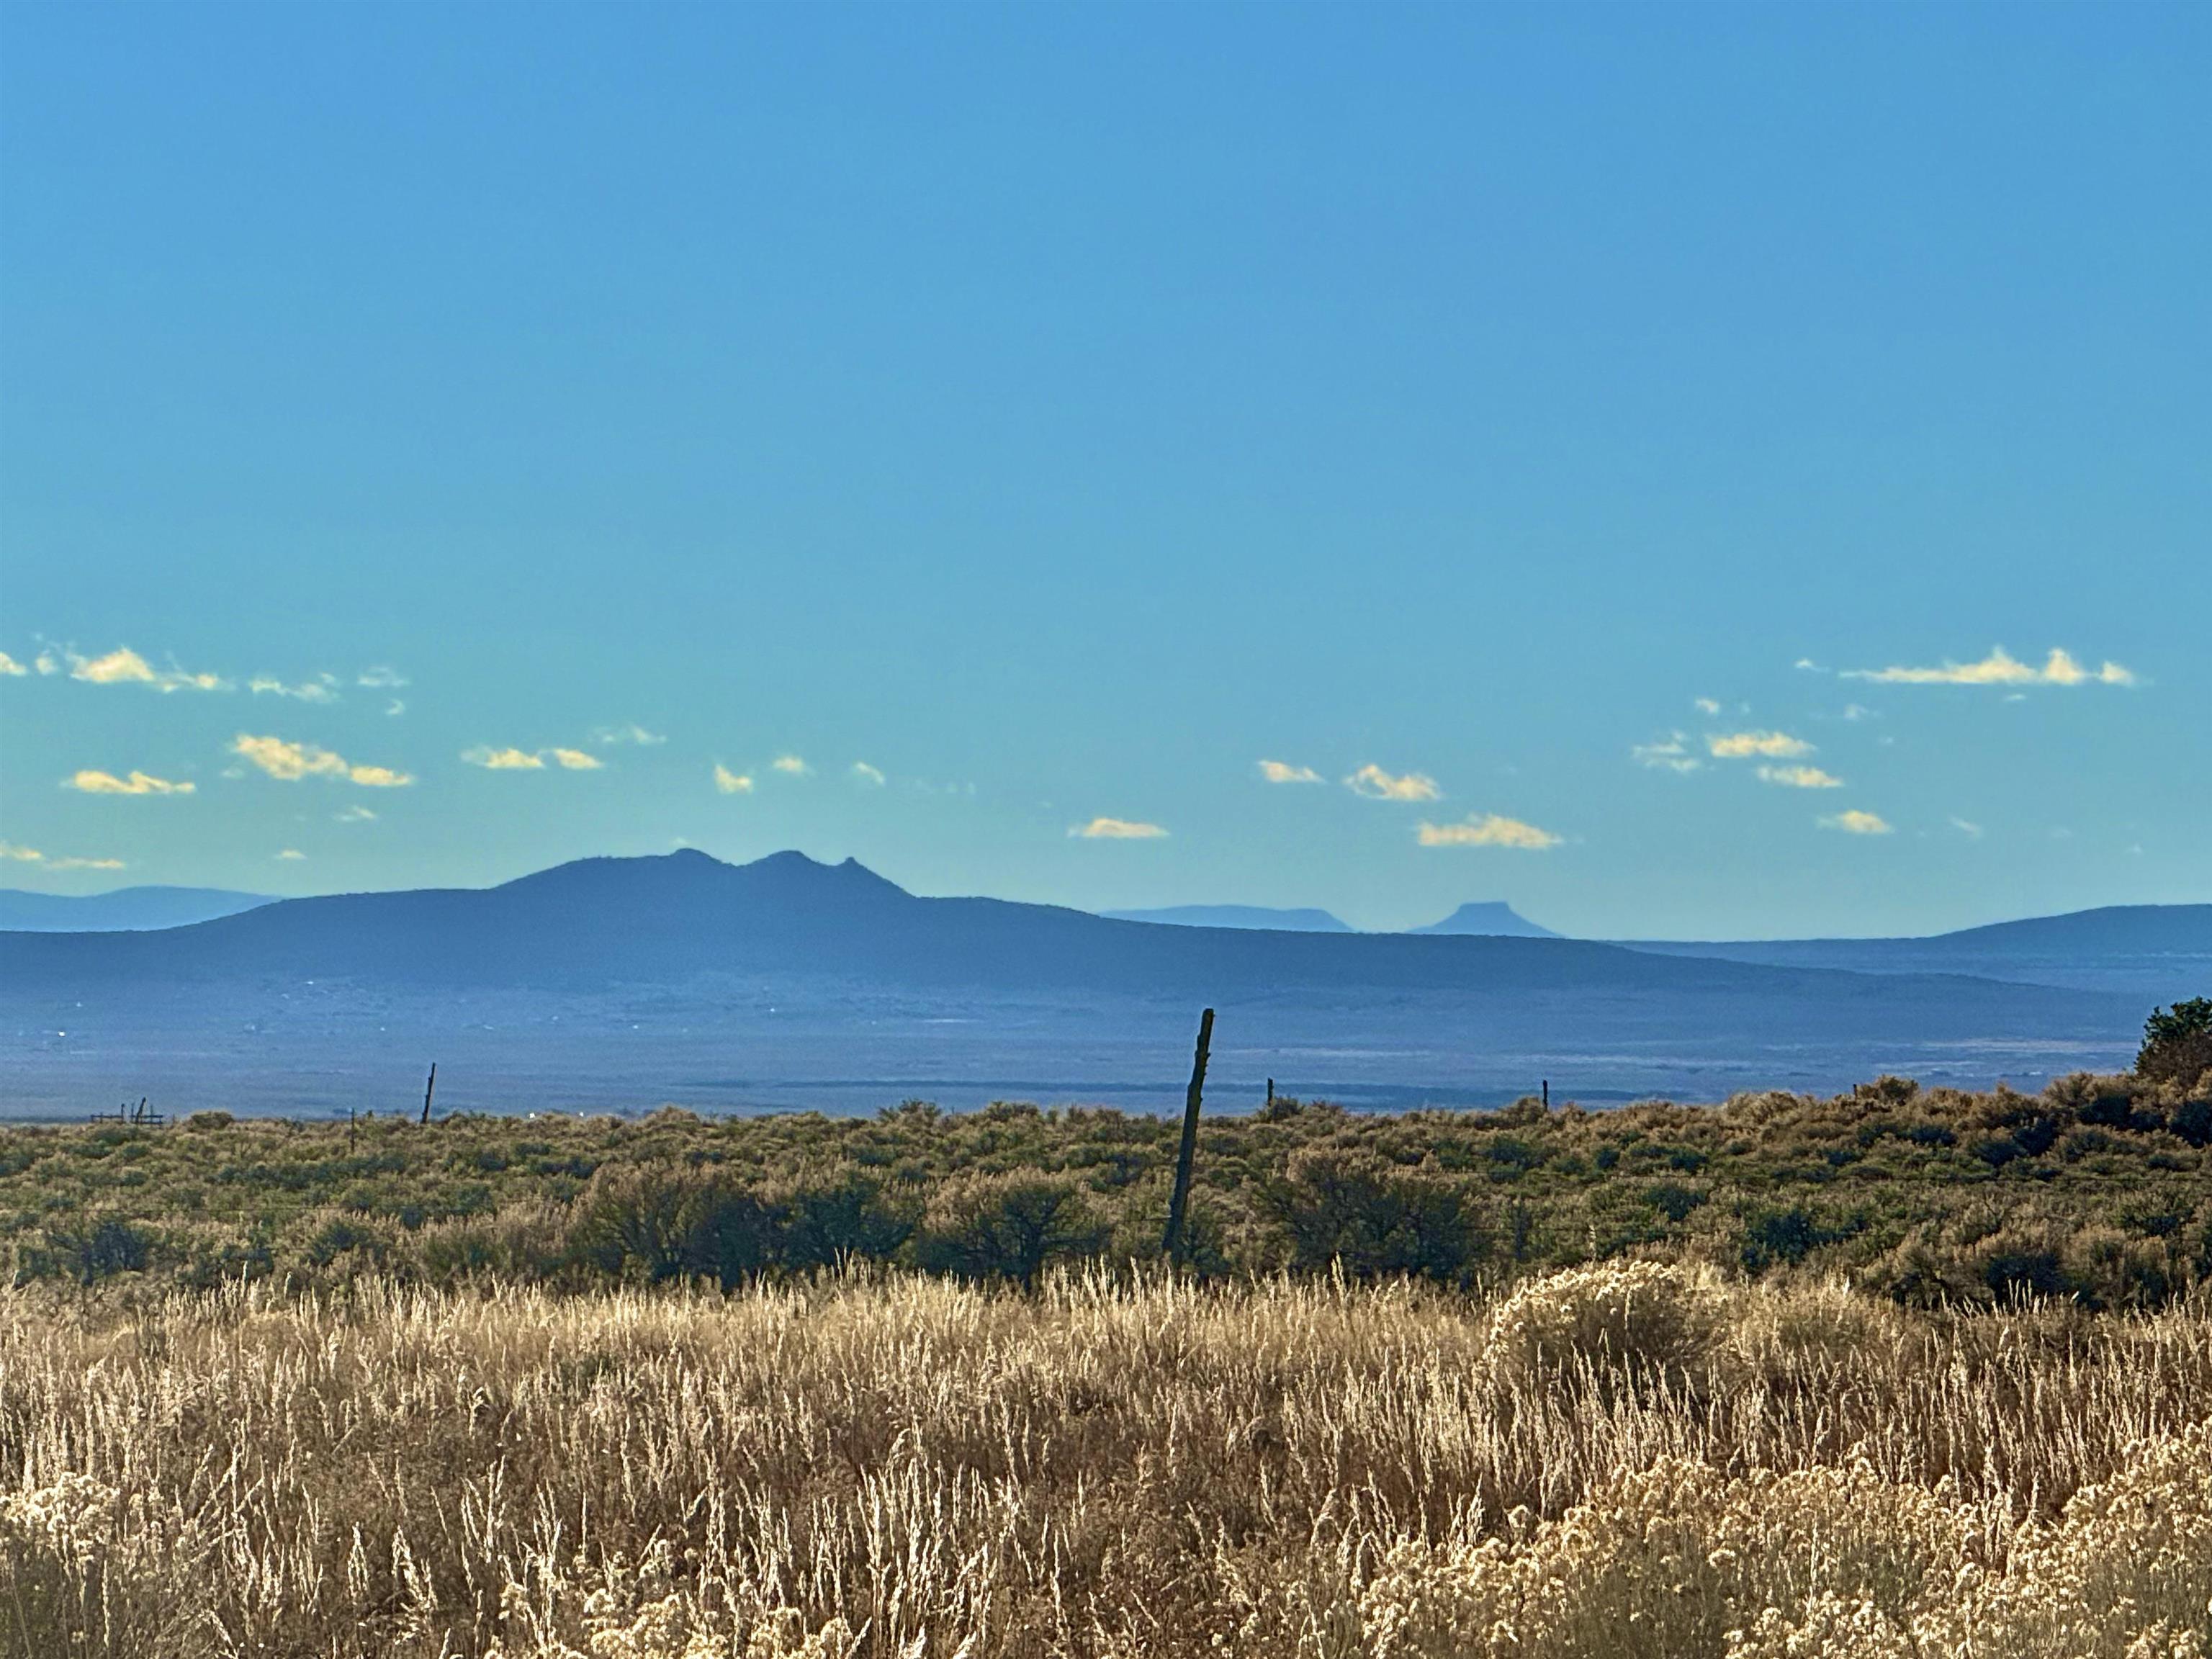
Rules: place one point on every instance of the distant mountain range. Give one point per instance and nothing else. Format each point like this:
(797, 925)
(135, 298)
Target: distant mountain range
(787, 981)
(1492, 920)
(125, 908)
(2158, 950)
(1252, 917)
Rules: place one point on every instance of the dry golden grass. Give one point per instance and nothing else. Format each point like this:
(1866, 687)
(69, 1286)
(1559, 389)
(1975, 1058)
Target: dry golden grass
(1623, 1460)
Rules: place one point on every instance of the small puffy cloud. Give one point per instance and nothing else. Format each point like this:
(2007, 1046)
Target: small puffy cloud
(378, 777)
(791, 764)
(732, 783)
(502, 760)
(354, 815)
(1972, 831)
(10, 668)
(93, 782)
(33, 855)
(1668, 754)
(47, 663)
(1277, 771)
(1373, 782)
(2000, 668)
(287, 762)
(1855, 823)
(1104, 828)
(1743, 746)
(1800, 777)
(578, 760)
(291, 853)
(867, 773)
(324, 688)
(1487, 829)
(124, 666)
(631, 733)
(1708, 706)
(396, 705)
(381, 679)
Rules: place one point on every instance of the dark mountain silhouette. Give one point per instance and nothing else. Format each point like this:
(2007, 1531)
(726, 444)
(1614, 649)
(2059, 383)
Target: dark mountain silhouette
(604, 921)
(1493, 919)
(787, 981)
(126, 907)
(1256, 917)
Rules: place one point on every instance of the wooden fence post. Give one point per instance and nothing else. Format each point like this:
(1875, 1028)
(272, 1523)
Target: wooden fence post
(426, 1090)
(1173, 1244)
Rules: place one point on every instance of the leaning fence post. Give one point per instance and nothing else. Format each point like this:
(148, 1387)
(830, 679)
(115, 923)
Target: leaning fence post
(427, 1089)
(1172, 1245)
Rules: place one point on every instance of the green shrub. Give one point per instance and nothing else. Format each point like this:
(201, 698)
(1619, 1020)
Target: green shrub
(656, 1223)
(1374, 1218)
(2177, 1045)
(99, 1249)
(1783, 1238)
(1008, 1226)
(821, 1220)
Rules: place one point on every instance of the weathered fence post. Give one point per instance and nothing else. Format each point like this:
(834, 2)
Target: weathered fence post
(428, 1089)
(1172, 1245)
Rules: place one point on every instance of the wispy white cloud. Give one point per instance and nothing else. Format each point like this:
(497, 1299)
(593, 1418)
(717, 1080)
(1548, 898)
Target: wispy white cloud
(732, 783)
(324, 688)
(1668, 754)
(2001, 668)
(578, 760)
(47, 663)
(354, 815)
(1855, 823)
(290, 762)
(1743, 746)
(1488, 829)
(1708, 705)
(629, 732)
(381, 679)
(1800, 777)
(396, 705)
(92, 782)
(1277, 771)
(1103, 829)
(10, 668)
(867, 773)
(124, 666)
(1375, 784)
(291, 854)
(503, 760)
(792, 765)
(9, 849)
(1857, 711)
(1966, 828)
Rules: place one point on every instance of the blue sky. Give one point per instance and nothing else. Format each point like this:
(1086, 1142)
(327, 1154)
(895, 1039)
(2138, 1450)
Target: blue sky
(1568, 415)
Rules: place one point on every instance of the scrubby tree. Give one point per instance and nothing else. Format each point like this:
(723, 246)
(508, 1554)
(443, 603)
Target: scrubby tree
(2177, 1046)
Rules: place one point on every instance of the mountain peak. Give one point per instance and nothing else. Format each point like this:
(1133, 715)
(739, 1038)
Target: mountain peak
(1492, 917)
